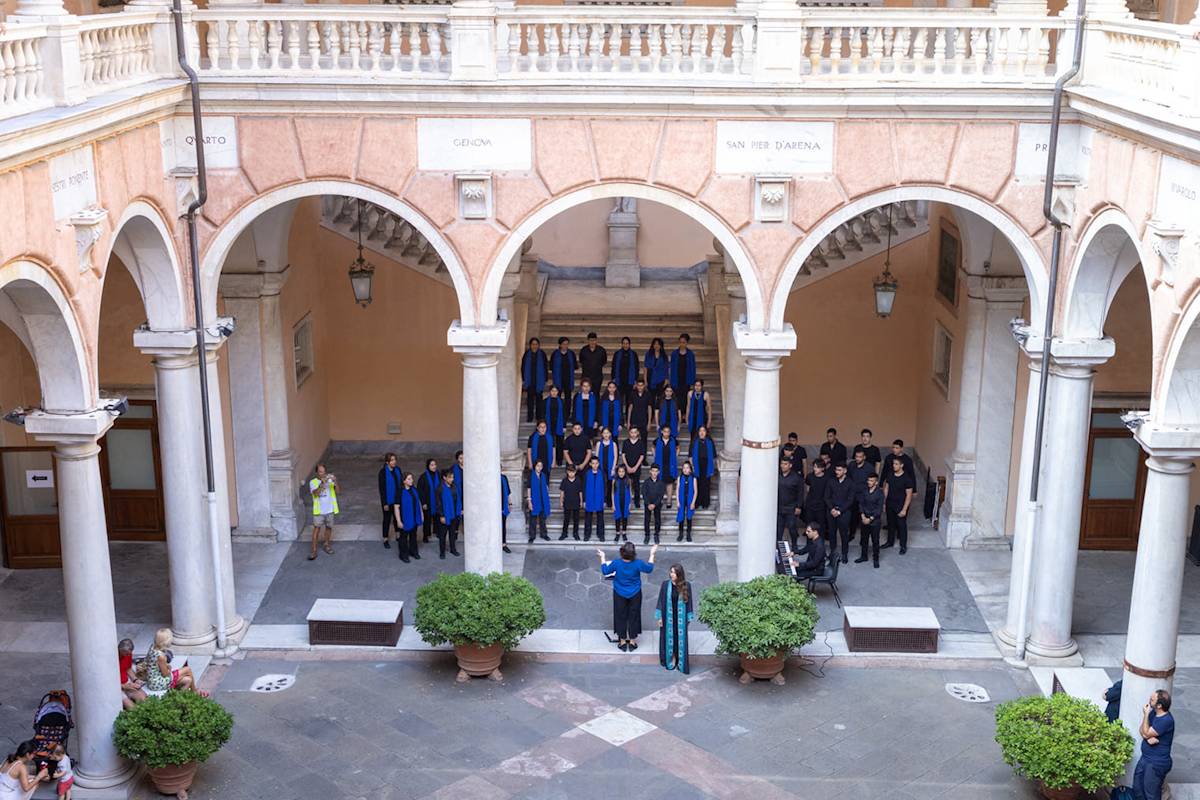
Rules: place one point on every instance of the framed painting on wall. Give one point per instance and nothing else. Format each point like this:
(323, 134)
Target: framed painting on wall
(948, 262)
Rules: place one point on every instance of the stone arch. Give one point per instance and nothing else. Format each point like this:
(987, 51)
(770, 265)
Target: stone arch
(682, 203)
(1177, 398)
(1108, 251)
(219, 246)
(143, 242)
(33, 305)
(1032, 263)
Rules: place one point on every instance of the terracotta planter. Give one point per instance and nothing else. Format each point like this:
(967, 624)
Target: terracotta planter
(175, 779)
(479, 660)
(763, 669)
(1069, 793)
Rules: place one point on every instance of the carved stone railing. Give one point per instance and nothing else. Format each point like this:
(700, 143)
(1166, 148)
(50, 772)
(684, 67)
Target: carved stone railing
(346, 41)
(22, 79)
(115, 50)
(1145, 61)
(604, 42)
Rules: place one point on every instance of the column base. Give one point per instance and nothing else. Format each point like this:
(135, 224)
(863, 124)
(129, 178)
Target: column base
(193, 639)
(1063, 654)
(283, 525)
(957, 532)
(235, 627)
(1007, 638)
(116, 787)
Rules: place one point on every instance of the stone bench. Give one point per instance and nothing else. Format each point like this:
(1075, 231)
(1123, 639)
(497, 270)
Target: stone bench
(369, 623)
(1087, 683)
(886, 629)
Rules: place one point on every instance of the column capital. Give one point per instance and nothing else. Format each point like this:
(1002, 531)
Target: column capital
(479, 341)
(1065, 352)
(79, 431)
(166, 344)
(253, 285)
(1170, 449)
(764, 344)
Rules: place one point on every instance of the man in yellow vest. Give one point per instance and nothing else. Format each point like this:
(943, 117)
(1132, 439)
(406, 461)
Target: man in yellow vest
(323, 489)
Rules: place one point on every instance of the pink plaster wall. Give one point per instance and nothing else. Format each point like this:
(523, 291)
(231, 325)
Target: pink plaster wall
(578, 237)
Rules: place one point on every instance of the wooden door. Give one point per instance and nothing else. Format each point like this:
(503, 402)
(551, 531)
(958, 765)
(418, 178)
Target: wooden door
(131, 472)
(29, 508)
(1113, 486)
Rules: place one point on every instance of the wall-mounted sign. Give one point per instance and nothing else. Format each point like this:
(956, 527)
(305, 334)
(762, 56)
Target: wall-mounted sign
(178, 138)
(72, 182)
(782, 148)
(1033, 148)
(1178, 201)
(459, 144)
(39, 479)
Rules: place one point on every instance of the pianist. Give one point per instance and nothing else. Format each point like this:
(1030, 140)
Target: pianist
(810, 561)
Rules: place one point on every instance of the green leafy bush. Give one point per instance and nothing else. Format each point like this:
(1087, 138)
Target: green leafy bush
(466, 608)
(1062, 741)
(760, 617)
(178, 728)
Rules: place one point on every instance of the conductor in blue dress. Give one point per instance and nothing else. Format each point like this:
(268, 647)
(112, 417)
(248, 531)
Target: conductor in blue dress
(627, 592)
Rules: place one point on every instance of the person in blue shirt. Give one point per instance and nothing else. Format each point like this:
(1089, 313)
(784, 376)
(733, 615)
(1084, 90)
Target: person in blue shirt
(595, 487)
(505, 493)
(607, 451)
(698, 407)
(459, 484)
(683, 365)
(627, 592)
(1157, 730)
(703, 455)
(428, 486)
(666, 455)
(611, 408)
(540, 447)
(390, 480)
(587, 412)
(535, 370)
(556, 423)
(408, 518)
(449, 515)
(685, 494)
(537, 500)
(625, 369)
(562, 368)
(667, 415)
(620, 499)
(657, 366)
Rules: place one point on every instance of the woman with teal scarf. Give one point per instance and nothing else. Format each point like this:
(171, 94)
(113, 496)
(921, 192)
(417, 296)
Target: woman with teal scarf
(673, 613)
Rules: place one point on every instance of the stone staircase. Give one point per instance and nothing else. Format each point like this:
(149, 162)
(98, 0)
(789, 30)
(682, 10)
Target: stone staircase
(641, 328)
(864, 236)
(383, 233)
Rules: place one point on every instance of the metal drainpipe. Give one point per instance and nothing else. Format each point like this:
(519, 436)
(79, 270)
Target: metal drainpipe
(210, 495)
(1022, 631)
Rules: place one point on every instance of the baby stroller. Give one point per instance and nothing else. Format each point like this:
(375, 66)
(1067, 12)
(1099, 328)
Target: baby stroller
(51, 726)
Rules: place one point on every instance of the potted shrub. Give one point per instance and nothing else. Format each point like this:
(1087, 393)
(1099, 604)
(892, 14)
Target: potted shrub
(1064, 744)
(482, 616)
(760, 621)
(171, 735)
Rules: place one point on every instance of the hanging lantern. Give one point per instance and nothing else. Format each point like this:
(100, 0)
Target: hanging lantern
(885, 285)
(361, 270)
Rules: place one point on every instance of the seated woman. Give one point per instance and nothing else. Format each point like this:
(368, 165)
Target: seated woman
(159, 676)
(15, 780)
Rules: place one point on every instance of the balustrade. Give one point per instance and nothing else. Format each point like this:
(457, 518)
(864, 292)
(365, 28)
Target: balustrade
(115, 49)
(324, 40)
(22, 79)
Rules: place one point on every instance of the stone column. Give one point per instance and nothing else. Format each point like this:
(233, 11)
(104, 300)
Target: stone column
(263, 459)
(763, 352)
(480, 349)
(87, 581)
(1150, 645)
(1056, 540)
(512, 455)
(189, 552)
(234, 624)
(733, 394)
(985, 413)
(1023, 519)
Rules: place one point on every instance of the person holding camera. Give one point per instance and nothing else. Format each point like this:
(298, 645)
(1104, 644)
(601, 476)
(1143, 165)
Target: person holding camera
(324, 489)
